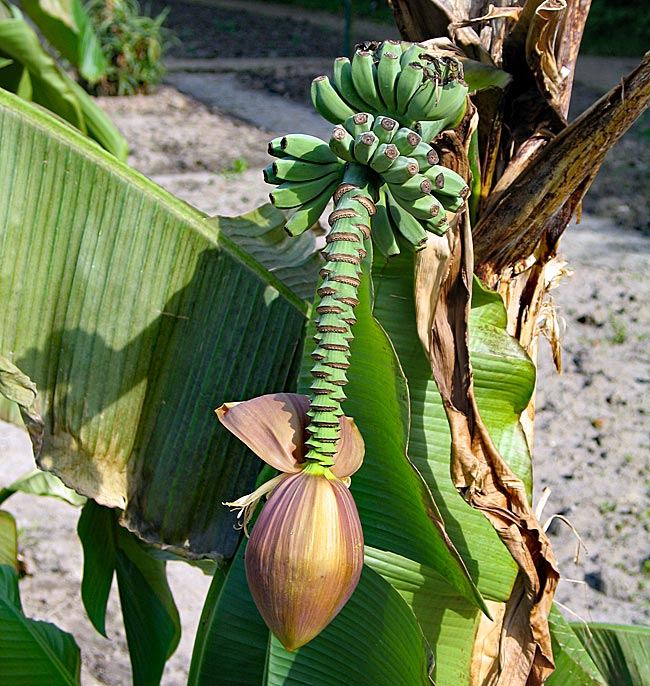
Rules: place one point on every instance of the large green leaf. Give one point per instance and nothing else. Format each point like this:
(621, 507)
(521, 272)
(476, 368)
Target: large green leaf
(42, 483)
(150, 616)
(295, 260)
(32, 653)
(66, 26)
(449, 622)
(134, 317)
(621, 653)
(35, 76)
(395, 506)
(429, 447)
(374, 641)
(232, 639)
(573, 665)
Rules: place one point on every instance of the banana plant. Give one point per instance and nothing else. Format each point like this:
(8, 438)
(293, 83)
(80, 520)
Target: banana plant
(398, 543)
(31, 72)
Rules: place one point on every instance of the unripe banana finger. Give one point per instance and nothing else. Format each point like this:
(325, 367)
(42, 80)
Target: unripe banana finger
(425, 208)
(365, 145)
(342, 81)
(406, 140)
(410, 80)
(388, 71)
(290, 169)
(364, 77)
(429, 130)
(384, 157)
(302, 146)
(342, 144)
(407, 224)
(412, 188)
(328, 102)
(402, 169)
(383, 229)
(425, 155)
(290, 194)
(385, 128)
(450, 203)
(303, 218)
(447, 182)
(358, 123)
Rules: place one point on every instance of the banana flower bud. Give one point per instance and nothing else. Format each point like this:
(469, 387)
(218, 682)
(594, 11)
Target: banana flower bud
(305, 553)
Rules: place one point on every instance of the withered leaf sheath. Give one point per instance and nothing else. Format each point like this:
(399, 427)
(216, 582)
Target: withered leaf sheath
(305, 555)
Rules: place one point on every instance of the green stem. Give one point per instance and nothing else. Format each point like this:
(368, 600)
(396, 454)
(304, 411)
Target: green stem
(341, 274)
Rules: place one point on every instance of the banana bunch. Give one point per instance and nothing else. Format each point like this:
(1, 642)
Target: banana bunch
(415, 192)
(404, 81)
(305, 173)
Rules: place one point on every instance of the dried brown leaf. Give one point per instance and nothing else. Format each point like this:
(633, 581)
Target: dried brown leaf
(487, 483)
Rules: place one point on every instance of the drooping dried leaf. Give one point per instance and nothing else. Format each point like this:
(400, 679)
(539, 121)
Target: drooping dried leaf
(487, 483)
(20, 389)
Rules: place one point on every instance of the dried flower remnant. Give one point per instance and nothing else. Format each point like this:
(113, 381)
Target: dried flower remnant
(305, 554)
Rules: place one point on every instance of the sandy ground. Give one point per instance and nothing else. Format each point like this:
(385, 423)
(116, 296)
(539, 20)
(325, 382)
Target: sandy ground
(592, 446)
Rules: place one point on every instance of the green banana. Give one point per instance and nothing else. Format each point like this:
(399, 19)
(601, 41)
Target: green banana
(447, 182)
(429, 130)
(412, 54)
(383, 235)
(364, 77)
(438, 103)
(385, 128)
(426, 207)
(406, 140)
(342, 144)
(359, 123)
(328, 102)
(412, 188)
(342, 81)
(291, 169)
(402, 169)
(290, 194)
(410, 81)
(407, 224)
(270, 175)
(388, 71)
(365, 145)
(302, 146)
(450, 203)
(439, 224)
(385, 155)
(425, 155)
(393, 46)
(303, 218)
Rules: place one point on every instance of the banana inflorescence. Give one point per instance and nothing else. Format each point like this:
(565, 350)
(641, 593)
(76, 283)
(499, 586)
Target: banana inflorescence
(388, 103)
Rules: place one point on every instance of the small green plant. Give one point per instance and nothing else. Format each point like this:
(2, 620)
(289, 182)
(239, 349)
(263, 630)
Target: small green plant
(133, 44)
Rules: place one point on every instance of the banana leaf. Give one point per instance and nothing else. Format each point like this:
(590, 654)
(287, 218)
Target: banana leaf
(621, 653)
(573, 664)
(67, 28)
(449, 622)
(35, 76)
(132, 314)
(31, 652)
(374, 640)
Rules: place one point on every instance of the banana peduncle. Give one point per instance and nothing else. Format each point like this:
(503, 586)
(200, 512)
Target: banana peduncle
(341, 274)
